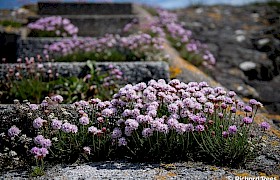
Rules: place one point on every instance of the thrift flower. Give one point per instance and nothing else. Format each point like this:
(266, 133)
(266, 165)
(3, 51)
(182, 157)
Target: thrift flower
(232, 129)
(248, 109)
(57, 98)
(38, 123)
(189, 127)
(33, 107)
(253, 102)
(46, 143)
(225, 134)
(117, 133)
(56, 124)
(87, 150)
(265, 125)
(247, 120)
(122, 142)
(147, 132)
(38, 139)
(84, 120)
(93, 130)
(199, 128)
(13, 131)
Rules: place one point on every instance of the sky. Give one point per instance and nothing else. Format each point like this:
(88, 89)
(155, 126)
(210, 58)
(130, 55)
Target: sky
(169, 4)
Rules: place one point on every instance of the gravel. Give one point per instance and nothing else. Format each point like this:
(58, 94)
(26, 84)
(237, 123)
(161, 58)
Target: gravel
(124, 170)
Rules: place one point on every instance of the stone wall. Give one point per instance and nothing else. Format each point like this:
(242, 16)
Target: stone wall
(92, 19)
(133, 72)
(31, 47)
(57, 8)
(97, 25)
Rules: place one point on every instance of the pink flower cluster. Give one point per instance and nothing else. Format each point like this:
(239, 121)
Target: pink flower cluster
(183, 37)
(38, 123)
(175, 106)
(61, 26)
(40, 153)
(13, 131)
(139, 44)
(40, 140)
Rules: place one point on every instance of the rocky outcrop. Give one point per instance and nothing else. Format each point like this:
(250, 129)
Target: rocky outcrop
(245, 42)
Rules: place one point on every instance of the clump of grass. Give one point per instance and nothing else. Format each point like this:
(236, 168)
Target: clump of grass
(10, 23)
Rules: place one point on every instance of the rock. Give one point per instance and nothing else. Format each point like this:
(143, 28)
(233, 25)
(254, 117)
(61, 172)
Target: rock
(247, 66)
(240, 38)
(199, 10)
(244, 42)
(134, 72)
(240, 32)
(269, 90)
(262, 42)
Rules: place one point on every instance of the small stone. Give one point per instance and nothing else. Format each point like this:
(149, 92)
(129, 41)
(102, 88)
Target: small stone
(240, 38)
(264, 41)
(199, 10)
(247, 65)
(240, 32)
(240, 88)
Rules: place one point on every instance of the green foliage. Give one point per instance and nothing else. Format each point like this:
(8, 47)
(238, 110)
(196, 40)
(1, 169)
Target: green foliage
(193, 58)
(33, 89)
(37, 33)
(72, 89)
(111, 55)
(10, 23)
(233, 150)
(38, 170)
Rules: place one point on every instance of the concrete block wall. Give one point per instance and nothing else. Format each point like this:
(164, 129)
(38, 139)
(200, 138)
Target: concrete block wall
(92, 19)
(31, 47)
(133, 72)
(97, 25)
(75, 8)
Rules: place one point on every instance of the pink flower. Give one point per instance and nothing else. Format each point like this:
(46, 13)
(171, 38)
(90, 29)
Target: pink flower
(122, 142)
(225, 134)
(265, 125)
(117, 133)
(57, 98)
(199, 128)
(84, 120)
(38, 123)
(248, 109)
(38, 139)
(13, 131)
(147, 132)
(232, 129)
(247, 120)
(56, 124)
(33, 107)
(87, 150)
(39, 152)
(46, 143)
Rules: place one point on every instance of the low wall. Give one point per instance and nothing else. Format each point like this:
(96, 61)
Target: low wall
(97, 25)
(72, 8)
(133, 72)
(31, 47)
